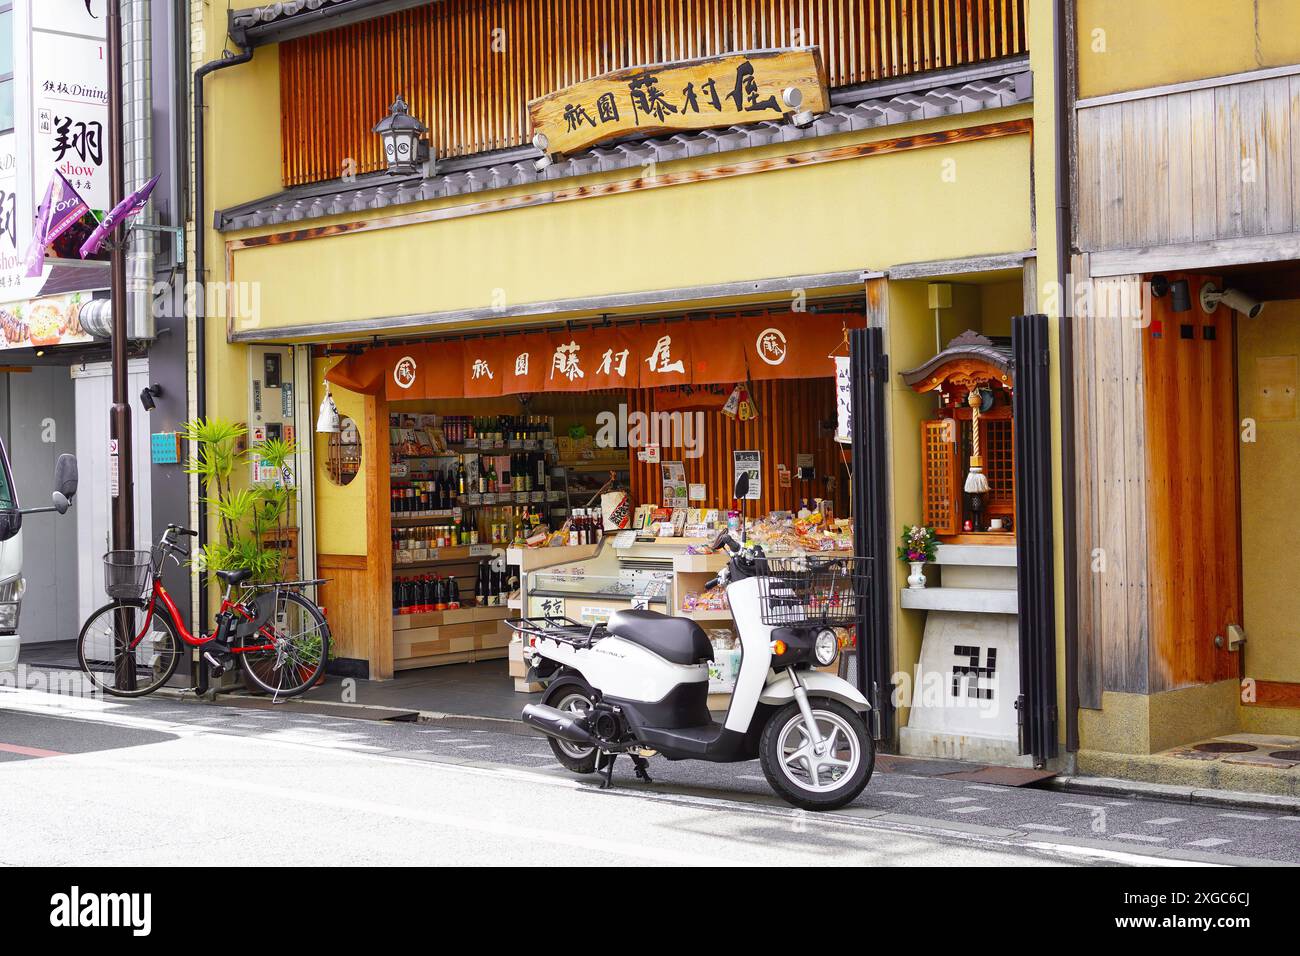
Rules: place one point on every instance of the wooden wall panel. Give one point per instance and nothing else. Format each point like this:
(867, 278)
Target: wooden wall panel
(1193, 493)
(358, 594)
(336, 85)
(1191, 166)
(788, 423)
(1111, 494)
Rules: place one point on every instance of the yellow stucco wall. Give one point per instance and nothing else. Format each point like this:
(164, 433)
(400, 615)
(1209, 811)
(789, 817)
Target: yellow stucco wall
(855, 214)
(1133, 44)
(340, 509)
(1269, 534)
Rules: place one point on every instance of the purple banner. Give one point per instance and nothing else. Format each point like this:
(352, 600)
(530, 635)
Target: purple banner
(58, 212)
(124, 210)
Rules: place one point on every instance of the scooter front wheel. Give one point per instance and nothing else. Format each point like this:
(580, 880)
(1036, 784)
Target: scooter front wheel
(813, 777)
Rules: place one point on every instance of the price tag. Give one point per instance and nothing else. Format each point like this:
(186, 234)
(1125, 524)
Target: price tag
(480, 550)
(625, 539)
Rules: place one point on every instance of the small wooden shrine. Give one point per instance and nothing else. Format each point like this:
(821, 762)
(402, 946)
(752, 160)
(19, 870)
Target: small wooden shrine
(968, 449)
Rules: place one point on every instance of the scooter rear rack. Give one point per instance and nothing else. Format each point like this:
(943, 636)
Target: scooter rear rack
(563, 629)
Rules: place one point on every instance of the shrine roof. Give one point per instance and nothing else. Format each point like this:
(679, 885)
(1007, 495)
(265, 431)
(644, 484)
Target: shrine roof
(995, 351)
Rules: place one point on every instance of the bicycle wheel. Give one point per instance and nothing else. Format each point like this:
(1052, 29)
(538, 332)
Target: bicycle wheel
(293, 648)
(104, 654)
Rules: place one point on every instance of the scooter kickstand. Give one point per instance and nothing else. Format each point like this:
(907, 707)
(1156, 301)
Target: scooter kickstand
(642, 768)
(606, 769)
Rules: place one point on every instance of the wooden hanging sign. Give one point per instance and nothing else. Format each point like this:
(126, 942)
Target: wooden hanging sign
(688, 95)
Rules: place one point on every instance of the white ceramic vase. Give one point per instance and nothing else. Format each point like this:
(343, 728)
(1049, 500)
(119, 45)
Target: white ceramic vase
(917, 578)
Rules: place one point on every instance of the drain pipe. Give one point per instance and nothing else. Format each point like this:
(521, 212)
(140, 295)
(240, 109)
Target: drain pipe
(226, 61)
(1061, 37)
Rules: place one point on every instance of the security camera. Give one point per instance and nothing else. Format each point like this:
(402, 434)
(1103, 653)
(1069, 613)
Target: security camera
(147, 396)
(1235, 299)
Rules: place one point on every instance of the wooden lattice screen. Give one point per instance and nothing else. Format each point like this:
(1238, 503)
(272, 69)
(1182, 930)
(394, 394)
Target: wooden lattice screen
(997, 439)
(941, 504)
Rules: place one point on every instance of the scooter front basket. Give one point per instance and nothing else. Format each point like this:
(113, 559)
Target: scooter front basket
(813, 589)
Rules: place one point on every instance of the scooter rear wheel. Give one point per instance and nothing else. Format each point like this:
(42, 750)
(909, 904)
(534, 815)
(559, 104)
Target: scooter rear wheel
(574, 697)
(810, 780)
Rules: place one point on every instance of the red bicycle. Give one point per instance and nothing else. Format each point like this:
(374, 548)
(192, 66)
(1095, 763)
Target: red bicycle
(130, 647)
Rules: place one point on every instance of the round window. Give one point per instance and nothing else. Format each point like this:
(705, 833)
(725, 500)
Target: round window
(345, 452)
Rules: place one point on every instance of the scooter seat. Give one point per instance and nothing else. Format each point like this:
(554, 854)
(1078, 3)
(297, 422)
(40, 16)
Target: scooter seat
(676, 639)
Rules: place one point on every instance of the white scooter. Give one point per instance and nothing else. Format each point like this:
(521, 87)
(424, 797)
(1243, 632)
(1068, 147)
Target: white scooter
(639, 685)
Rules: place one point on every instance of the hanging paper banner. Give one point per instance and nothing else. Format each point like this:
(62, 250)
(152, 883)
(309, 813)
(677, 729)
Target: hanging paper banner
(843, 401)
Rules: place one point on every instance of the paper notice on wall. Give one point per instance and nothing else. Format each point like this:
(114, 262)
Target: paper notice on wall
(843, 401)
(675, 490)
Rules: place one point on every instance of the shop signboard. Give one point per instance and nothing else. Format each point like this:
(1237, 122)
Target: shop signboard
(60, 116)
(39, 323)
(648, 100)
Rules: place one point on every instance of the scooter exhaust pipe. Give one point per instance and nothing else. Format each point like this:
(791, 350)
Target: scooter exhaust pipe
(556, 723)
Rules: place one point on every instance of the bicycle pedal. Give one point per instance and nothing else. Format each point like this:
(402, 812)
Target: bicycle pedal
(218, 667)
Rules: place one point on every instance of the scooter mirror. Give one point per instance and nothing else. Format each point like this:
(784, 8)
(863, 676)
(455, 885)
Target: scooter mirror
(742, 486)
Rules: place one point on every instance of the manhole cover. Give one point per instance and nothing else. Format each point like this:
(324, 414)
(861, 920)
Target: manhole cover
(1225, 747)
(1285, 755)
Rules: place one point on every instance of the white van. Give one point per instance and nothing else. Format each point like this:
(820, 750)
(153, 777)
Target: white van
(12, 584)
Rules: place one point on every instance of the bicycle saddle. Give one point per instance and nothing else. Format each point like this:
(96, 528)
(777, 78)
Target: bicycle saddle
(235, 577)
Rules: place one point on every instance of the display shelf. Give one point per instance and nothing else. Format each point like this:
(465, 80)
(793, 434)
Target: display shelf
(699, 563)
(723, 614)
(977, 600)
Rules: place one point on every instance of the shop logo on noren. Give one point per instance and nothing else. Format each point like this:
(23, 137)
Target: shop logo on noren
(404, 372)
(75, 909)
(771, 346)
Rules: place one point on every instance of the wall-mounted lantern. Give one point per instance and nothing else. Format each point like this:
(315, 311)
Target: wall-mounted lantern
(405, 147)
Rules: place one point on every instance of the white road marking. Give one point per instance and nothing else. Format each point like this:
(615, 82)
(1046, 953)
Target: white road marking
(1082, 806)
(1141, 837)
(1046, 827)
(1164, 821)
(475, 747)
(1209, 841)
(1244, 816)
(898, 793)
(956, 800)
(986, 787)
(968, 809)
(1116, 856)
(751, 776)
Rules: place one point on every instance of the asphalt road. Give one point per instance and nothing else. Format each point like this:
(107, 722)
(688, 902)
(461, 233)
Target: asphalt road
(161, 781)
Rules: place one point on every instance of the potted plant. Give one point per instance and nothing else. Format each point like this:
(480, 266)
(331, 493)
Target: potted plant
(918, 547)
(249, 518)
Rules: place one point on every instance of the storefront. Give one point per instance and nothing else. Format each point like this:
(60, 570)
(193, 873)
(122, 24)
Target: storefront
(537, 451)
(547, 300)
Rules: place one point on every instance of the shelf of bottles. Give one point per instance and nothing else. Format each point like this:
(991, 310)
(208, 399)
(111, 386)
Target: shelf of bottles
(460, 481)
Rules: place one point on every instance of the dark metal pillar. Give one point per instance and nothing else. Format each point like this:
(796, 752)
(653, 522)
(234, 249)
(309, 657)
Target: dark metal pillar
(123, 500)
(869, 374)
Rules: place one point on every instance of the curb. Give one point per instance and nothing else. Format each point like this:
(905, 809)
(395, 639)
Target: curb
(1231, 799)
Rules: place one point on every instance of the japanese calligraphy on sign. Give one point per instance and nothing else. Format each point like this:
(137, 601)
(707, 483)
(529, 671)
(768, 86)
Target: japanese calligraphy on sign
(696, 94)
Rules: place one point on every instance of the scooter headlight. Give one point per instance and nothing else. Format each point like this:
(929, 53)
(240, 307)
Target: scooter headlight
(826, 647)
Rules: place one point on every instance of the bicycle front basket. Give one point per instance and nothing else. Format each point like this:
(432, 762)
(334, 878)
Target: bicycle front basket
(811, 589)
(127, 573)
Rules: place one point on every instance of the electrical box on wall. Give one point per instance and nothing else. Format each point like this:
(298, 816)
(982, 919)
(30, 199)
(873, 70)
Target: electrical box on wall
(270, 403)
(165, 448)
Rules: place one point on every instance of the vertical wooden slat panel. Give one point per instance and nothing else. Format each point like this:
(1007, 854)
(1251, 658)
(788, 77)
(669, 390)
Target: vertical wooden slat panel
(336, 85)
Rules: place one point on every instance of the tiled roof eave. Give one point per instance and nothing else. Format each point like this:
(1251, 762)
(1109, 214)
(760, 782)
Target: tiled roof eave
(850, 111)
